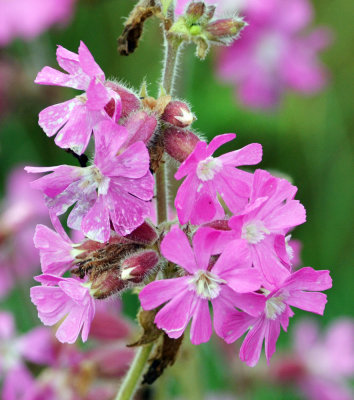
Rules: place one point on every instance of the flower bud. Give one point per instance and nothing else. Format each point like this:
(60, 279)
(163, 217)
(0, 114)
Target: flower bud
(144, 234)
(180, 143)
(224, 28)
(136, 267)
(130, 102)
(178, 113)
(141, 126)
(106, 283)
(196, 10)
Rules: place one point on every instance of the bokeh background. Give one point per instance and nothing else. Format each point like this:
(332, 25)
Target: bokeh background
(305, 137)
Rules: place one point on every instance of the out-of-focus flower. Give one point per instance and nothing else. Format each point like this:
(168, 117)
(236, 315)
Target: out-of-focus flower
(274, 53)
(225, 284)
(116, 188)
(36, 346)
(27, 19)
(321, 366)
(74, 120)
(207, 176)
(19, 212)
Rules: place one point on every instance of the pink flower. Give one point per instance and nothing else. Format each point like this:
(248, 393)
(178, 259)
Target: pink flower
(29, 18)
(273, 54)
(263, 224)
(196, 199)
(116, 188)
(35, 346)
(226, 284)
(75, 119)
(300, 290)
(66, 298)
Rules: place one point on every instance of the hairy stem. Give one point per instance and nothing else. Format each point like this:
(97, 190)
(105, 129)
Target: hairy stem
(171, 57)
(131, 380)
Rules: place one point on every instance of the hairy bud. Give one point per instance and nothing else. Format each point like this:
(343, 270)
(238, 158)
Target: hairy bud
(136, 267)
(222, 29)
(107, 283)
(180, 143)
(178, 113)
(196, 10)
(145, 234)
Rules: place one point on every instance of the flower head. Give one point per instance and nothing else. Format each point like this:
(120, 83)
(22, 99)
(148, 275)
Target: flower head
(74, 120)
(66, 298)
(116, 188)
(226, 283)
(207, 176)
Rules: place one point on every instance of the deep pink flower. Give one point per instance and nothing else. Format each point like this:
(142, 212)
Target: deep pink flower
(75, 119)
(226, 284)
(300, 290)
(116, 188)
(263, 224)
(273, 54)
(29, 18)
(207, 176)
(66, 298)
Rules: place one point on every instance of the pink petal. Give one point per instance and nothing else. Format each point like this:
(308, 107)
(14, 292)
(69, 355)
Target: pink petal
(133, 163)
(70, 328)
(287, 216)
(185, 198)
(308, 301)
(158, 292)
(248, 155)
(243, 280)
(235, 255)
(271, 336)
(175, 315)
(96, 224)
(97, 95)
(308, 279)
(37, 346)
(88, 63)
(235, 325)
(201, 328)
(68, 60)
(218, 141)
(176, 248)
(190, 164)
(74, 289)
(251, 348)
(203, 246)
(51, 76)
(52, 118)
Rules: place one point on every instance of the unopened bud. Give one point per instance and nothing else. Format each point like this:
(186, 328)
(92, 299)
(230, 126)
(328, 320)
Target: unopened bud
(178, 113)
(196, 10)
(107, 283)
(141, 126)
(180, 143)
(144, 234)
(130, 102)
(224, 28)
(136, 267)
(210, 12)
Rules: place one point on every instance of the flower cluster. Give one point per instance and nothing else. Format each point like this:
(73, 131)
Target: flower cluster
(229, 245)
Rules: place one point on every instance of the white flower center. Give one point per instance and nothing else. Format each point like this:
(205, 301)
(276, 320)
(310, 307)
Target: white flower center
(254, 232)
(9, 354)
(207, 168)
(206, 284)
(275, 306)
(270, 50)
(95, 176)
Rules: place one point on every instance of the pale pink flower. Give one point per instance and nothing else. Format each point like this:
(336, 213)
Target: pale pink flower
(35, 346)
(27, 19)
(226, 284)
(116, 188)
(263, 224)
(66, 298)
(74, 120)
(300, 290)
(273, 54)
(208, 176)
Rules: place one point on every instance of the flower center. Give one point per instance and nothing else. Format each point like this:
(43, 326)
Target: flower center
(96, 177)
(254, 232)
(206, 284)
(275, 306)
(207, 168)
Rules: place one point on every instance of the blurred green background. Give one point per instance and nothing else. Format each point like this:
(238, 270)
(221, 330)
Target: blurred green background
(307, 138)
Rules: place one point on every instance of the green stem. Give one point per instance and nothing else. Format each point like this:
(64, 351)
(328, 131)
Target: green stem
(171, 57)
(130, 382)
